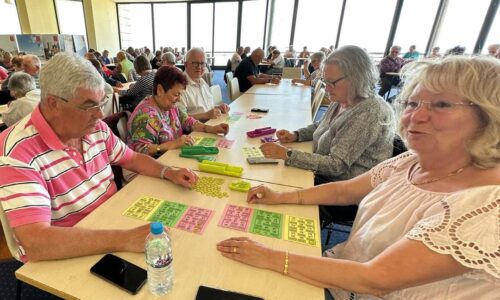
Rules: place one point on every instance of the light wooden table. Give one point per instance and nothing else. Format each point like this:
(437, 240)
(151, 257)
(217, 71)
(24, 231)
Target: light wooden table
(197, 262)
(125, 86)
(285, 87)
(278, 174)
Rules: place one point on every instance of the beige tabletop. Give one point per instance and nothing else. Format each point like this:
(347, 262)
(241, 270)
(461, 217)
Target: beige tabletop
(197, 262)
(278, 174)
(285, 87)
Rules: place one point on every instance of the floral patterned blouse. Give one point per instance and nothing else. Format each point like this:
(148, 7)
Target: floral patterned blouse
(150, 125)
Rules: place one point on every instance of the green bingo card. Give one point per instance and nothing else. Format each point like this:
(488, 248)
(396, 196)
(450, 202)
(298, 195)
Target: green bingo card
(168, 213)
(266, 223)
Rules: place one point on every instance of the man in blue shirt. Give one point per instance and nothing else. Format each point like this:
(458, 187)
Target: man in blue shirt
(248, 72)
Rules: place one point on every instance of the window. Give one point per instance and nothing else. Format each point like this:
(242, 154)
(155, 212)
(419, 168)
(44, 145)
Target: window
(170, 25)
(317, 24)
(281, 29)
(494, 33)
(367, 24)
(459, 28)
(136, 28)
(226, 27)
(9, 20)
(71, 18)
(415, 24)
(202, 25)
(252, 23)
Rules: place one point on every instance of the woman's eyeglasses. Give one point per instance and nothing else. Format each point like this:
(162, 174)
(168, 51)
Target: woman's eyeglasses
(332, 83)
(441, 106)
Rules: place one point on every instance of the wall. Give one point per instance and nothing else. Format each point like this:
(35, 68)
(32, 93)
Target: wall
(37, 16)
(102, 25)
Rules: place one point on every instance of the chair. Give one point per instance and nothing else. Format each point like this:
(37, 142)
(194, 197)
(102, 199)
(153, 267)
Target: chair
(11, 244)
(318, 97)
(117, 122)
(328, 220)
(9, 236)
(234, 87)
(317, 86)
(216, 92)
(292, 73)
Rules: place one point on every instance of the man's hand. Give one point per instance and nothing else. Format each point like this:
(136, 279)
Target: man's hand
(183, 176)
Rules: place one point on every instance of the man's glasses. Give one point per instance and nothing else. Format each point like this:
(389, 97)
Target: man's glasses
(332, 83)
(88, 108)
(440, 106)
(198, 64)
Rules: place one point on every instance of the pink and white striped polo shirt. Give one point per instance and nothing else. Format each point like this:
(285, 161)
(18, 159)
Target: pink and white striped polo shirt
(42, 180)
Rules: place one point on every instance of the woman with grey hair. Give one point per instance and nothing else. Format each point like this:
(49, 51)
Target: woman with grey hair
(142, 88)
(428, 221)
(22, 87)
(168, 59)
(356, 132)
(316, 60)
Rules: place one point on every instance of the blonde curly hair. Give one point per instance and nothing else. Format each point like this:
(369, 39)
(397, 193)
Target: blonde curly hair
(476, 80)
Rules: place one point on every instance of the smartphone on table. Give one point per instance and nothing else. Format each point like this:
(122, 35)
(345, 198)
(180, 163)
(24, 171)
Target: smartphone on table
(120, 272)
(210, 293)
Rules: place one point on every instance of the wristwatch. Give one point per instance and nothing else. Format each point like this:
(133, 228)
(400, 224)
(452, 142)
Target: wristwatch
(288, 153)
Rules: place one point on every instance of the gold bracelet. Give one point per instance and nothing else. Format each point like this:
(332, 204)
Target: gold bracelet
(300, 200)
(285, 270)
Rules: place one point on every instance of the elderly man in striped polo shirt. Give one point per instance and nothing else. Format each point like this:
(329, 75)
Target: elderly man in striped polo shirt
(55, 167)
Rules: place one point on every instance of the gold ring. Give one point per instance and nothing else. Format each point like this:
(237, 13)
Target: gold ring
(234, 249)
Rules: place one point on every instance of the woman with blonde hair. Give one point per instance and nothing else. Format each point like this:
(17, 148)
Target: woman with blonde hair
(428, 220)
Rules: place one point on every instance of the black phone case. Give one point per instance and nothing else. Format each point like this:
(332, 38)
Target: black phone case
(210, 293)
(120, 272)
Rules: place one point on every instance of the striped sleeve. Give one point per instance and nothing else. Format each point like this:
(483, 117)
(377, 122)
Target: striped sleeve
(23, 193)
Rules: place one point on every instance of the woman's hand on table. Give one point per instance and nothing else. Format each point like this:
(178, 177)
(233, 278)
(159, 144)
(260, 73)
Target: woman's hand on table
(285, 136)
(249, 252)
(224, 108)
(184, 140)
(183, 176)
(214, 113)
(274, 150)
(262, 194)
(219, 128)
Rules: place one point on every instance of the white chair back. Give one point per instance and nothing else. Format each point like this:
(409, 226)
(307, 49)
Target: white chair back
(216, 92)
(122, 127)
(9, 235)
(229, 76)
(292, 73)
(235, 89)
(318, 97)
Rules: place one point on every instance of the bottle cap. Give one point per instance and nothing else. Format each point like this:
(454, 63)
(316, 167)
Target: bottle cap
(156, 228)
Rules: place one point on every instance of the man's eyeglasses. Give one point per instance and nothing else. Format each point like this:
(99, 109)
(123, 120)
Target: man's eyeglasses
(332, 83)
(440, 106)
(198, 64)
(87, 108)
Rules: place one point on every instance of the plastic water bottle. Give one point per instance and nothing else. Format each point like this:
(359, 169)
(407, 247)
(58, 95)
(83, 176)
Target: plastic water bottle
(159, 260)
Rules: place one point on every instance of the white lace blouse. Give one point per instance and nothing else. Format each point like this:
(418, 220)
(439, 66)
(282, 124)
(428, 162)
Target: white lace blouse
(463, 224)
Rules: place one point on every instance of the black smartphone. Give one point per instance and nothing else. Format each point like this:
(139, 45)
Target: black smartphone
(120, 272)
(261, 110)
(210, 293)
